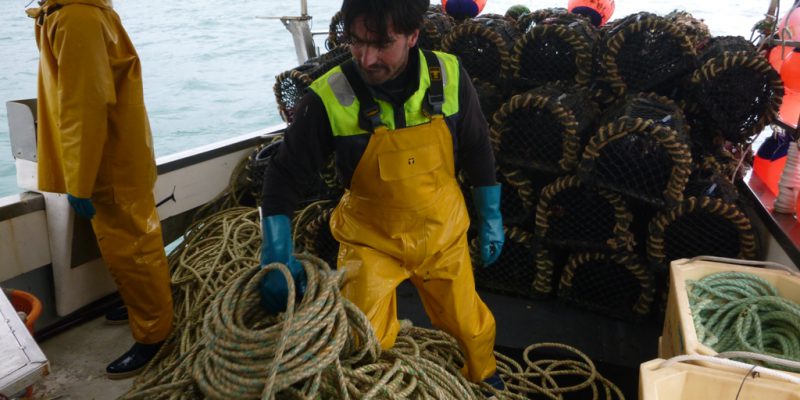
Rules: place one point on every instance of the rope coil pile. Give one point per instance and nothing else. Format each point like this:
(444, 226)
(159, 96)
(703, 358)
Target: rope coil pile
(736, 311)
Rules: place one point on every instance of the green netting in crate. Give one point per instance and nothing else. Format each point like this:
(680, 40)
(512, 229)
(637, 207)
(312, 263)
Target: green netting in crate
(701, 226)
(618, 285)
(575, 216)
(639, 158)
(645, 52)
(543, 129)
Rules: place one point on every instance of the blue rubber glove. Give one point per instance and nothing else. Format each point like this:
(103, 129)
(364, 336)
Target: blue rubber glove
(83, 207)
(277, 247)
(490, 228)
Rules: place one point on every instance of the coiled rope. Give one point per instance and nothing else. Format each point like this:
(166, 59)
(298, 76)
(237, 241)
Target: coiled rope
(739, 311)
(323, 347)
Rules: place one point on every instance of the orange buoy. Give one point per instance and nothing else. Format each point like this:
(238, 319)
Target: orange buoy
(790, 71)
(598, 11)
(770, 160)
(792, 25)
(790, 107)
(462, 9)
(777, 55)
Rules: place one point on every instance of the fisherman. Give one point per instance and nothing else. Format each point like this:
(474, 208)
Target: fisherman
(94, 144)
(401, 121)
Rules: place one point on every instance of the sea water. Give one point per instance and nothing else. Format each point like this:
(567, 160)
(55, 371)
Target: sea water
(209, 66)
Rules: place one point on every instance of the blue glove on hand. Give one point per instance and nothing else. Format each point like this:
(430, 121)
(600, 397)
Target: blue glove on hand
(277, 247)
(490, 230)
(83, 207)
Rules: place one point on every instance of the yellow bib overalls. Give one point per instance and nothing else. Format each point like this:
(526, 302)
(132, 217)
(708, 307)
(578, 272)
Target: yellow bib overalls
(404, 217)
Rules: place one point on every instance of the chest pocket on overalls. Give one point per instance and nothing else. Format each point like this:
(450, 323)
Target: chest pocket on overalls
(420, 163)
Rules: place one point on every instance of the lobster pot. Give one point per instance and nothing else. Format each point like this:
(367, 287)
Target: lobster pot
(694, 29)
(710, 182)
(559, 49)
(574, 216)
(513, 272)
(290, 85)
(549, 264)
(484, 46)
(257, 164)
(336, 36)
(542, 129)
(639, 158)
(701, 226)
(526, 21)
(490, 96)
(650, 106)
(645, 53)
(736, 92)
(434, 26)
(312, 231)
(618, 285)
(332, 187)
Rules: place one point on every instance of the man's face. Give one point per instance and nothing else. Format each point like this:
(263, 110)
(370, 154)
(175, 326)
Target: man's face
(380, 62)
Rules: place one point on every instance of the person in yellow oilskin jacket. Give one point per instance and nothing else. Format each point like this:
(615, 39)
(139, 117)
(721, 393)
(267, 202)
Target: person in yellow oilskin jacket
(401, 121)
(95, 145)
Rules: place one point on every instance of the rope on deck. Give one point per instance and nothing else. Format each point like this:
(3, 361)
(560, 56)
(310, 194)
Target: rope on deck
(323, 347)
(736, 311)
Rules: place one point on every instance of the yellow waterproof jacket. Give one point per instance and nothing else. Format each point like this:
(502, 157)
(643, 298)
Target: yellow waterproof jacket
(94, 137)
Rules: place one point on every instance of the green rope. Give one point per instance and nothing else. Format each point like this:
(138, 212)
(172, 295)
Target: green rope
(736, 311)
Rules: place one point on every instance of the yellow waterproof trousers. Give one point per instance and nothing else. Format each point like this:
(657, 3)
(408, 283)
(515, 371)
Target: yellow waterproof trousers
(129, 237)
(404, 217)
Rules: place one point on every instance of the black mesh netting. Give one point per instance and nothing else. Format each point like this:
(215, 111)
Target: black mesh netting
(639, 158)
(484, 46)
(312, 232)
(709, 182)
(257, 164)
(534, 17)
(558, 49)
(650, 106)
(291, 85)
(700, 226)
(543, 129)
(332, 187)
(695, 29)
(737, 90)
(336, 35)
(434, 26)
(575, 216)
(513, 272)
(549, 264)
(617, 285)
(645, 52)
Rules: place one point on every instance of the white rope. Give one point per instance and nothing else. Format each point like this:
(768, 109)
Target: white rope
(737, 261)
(789, 183)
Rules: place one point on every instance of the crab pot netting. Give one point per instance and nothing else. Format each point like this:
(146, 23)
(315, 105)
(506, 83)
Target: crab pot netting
(434, 26)
(618, 285)
(645, 52)
(526, 21)
(543, 129)
(695, 29)
(639, 158)
(559, 49)
(549, 264)
(290, 86)
(312, 231)
(336, 35)
(701, 226)
(709, 182)
(257, 164)
(484, 47)
(574, 216)
(650, 106)
(332, 187)
(513, 271)
(737, 90)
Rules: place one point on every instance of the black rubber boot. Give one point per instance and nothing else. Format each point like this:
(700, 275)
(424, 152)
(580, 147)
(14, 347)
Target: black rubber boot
(117, 316)
(133, 361)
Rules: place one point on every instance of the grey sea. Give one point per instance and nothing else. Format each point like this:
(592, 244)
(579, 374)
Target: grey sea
(209, 66)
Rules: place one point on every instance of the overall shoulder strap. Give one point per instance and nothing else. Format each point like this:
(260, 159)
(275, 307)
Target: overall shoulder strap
(436, 90)
(369, 109)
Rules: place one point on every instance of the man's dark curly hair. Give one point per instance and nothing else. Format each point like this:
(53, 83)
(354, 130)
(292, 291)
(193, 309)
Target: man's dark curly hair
(405, 16)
